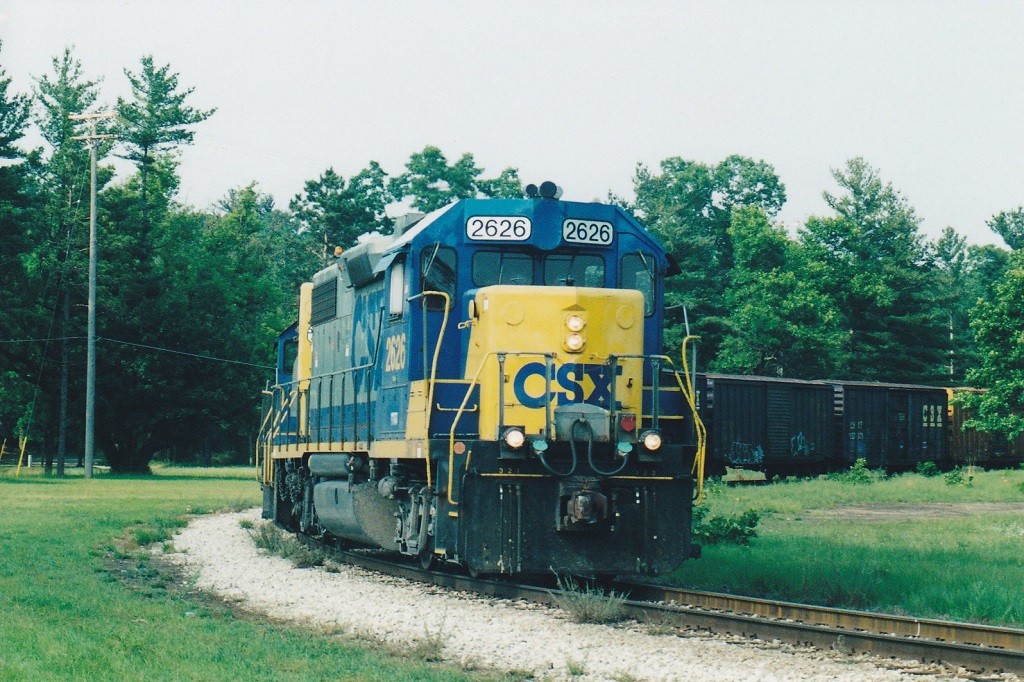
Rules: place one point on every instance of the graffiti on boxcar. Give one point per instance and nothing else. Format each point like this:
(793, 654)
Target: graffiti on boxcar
(800, 447)
(746, 453)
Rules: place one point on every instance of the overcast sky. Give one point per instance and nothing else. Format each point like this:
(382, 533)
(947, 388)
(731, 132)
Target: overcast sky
(931, 93)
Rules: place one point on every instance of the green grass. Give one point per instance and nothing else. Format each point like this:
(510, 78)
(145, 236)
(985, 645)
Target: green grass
(964, 567)
(80, 601)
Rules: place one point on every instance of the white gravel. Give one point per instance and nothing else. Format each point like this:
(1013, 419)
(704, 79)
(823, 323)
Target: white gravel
(477, 632)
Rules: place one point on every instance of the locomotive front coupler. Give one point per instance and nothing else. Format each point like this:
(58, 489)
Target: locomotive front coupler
(581, 504)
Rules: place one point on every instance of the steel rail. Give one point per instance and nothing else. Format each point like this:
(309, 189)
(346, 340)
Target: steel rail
(967, 645)
(966, 633)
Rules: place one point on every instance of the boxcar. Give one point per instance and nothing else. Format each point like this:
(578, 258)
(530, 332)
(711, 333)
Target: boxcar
(779, 426)
(891, 426)
(969, 446)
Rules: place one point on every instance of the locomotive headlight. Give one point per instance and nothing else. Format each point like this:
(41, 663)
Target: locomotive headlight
(574, 342)
(575, 323)
(514, 438)
(651, 440)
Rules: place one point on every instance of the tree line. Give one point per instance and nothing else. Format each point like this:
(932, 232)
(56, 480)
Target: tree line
(190, 300)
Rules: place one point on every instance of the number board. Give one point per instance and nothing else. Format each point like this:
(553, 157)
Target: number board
(587, 231)
(503, 228)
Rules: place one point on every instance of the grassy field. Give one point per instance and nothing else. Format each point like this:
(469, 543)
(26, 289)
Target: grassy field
(78, 604)
(907, 544)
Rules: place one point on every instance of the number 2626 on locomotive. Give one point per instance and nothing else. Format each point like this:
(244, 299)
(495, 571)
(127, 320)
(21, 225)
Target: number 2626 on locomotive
(487, 387)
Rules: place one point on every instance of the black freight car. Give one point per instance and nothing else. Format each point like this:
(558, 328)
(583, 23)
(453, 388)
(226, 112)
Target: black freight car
(777, 426)
(969, 446)
(891, 426)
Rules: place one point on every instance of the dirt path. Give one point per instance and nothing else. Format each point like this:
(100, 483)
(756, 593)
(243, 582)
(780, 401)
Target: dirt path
(908, 511)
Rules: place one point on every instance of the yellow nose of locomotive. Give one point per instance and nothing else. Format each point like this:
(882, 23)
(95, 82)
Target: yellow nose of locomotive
(540, 348)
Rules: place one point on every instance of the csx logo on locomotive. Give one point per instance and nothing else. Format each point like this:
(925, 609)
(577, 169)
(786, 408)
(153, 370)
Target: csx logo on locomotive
(580, 383)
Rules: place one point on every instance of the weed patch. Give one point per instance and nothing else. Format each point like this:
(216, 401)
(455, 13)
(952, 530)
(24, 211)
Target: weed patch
(575, 668)
(928, 469)
(273, 540)
(588, 604)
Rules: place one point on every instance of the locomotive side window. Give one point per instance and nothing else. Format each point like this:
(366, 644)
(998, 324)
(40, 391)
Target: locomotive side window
(501, 267)
(574, 270)
(291, 353)
(396, 289)
(637, 272)
(438, 273)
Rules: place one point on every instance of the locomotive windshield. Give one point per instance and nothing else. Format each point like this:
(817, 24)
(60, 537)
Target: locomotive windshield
(637, 272)
(438, 273)
(502, 267)
(573, 270)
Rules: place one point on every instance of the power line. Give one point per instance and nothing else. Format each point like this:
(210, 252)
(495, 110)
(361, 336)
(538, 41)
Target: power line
(181, 352)
(159, 349)
(48, 339)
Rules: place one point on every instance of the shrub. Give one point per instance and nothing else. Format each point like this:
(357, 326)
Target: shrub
(927, 469)
(737, 529)
(960, 476)
(858, 474)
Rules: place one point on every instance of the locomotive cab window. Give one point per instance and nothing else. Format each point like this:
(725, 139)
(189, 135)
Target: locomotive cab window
(637, 272)
(502, 267)
(574, 270)
(438, 273)
(289, 355)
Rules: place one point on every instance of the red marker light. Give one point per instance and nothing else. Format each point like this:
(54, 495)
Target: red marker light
(628, 423)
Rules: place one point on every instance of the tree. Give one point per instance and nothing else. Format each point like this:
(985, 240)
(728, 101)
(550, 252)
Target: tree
(14, 116)
(779, 324)
(17, 219)
(870, 259)
(431, 183)
(1010, 226)
(688, 206)
(188, 338)
(999, 325)
(332, 212)
(156, 121)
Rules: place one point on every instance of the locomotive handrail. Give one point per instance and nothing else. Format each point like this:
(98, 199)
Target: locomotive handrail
(276, 414)
(702, 432)
(689, 393)
(433, 363)
(260, 448)
(299, 393)
(548, 357)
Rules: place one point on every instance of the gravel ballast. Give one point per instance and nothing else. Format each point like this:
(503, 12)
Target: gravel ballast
(477, 632)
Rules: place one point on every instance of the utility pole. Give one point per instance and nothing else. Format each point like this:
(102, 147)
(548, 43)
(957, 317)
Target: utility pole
(90, 368)
(950, 344)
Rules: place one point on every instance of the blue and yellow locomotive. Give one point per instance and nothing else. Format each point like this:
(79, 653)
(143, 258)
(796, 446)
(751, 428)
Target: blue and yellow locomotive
(487, 387)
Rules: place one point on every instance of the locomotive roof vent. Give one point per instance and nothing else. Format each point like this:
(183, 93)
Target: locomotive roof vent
(547, 190)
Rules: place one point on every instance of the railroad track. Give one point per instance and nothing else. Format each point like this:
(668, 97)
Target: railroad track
(978, 648)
